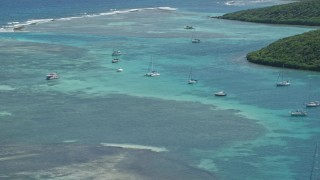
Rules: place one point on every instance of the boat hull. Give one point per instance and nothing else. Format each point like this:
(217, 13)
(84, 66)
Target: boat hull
(221, 93)
(284, 83)
(298, 113)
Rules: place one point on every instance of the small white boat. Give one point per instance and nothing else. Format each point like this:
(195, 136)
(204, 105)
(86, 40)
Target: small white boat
(313, 104)
(116, 53)
(230, 3)
(51, 76)
(298, 112)
(115, 60)
(220, 93)
(119, 70)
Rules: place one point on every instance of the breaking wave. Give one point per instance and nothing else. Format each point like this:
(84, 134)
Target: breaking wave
(19, 26)
(134, 146)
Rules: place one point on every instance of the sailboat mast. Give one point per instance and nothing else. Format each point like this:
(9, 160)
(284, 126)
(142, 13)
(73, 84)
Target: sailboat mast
(151, 63)
(282, 72)
(315, 165)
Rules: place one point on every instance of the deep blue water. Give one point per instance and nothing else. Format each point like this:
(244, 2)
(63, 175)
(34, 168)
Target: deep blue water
(23, 10)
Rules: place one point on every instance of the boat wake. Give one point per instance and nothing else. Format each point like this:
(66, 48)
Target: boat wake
(19, 26)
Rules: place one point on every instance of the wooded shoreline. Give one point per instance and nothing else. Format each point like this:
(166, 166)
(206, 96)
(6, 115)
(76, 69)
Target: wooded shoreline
(297, 52)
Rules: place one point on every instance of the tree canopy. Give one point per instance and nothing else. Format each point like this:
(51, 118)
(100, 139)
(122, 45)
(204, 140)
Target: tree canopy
(298, 52)
(297, 13)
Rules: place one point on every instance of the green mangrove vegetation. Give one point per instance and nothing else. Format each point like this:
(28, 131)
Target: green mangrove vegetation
(298, 13)
(299, 52)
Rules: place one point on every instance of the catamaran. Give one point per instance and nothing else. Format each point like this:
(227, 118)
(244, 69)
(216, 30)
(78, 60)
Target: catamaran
(51, 76)
(152, 72)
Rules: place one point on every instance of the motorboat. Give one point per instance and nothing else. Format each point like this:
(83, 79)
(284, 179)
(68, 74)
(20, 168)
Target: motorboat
(115, 60)
(220, 93)
(298, 113)
(119, 70)
(188, 27)
(51, 76)
(116, 53)
(313, 104)
(230, 3)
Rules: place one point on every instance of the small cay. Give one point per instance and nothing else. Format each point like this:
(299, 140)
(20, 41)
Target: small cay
(297, 52)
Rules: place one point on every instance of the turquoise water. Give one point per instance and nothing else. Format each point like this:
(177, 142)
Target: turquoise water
(247, 135)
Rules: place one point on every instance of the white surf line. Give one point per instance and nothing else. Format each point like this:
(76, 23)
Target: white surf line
(6, 88)
(19, 26)
(17, 157)
(5, 113)
(134, 146)
(70, 141)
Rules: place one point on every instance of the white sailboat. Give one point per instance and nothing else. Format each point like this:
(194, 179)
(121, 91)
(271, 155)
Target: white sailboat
(194, 39)
(281, 82)
(152, 72)
(311, 103)
(191, 80)
(52, 76)
(116, 53)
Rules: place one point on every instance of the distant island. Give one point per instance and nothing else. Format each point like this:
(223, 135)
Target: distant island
(298, 13)
(298, 52)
